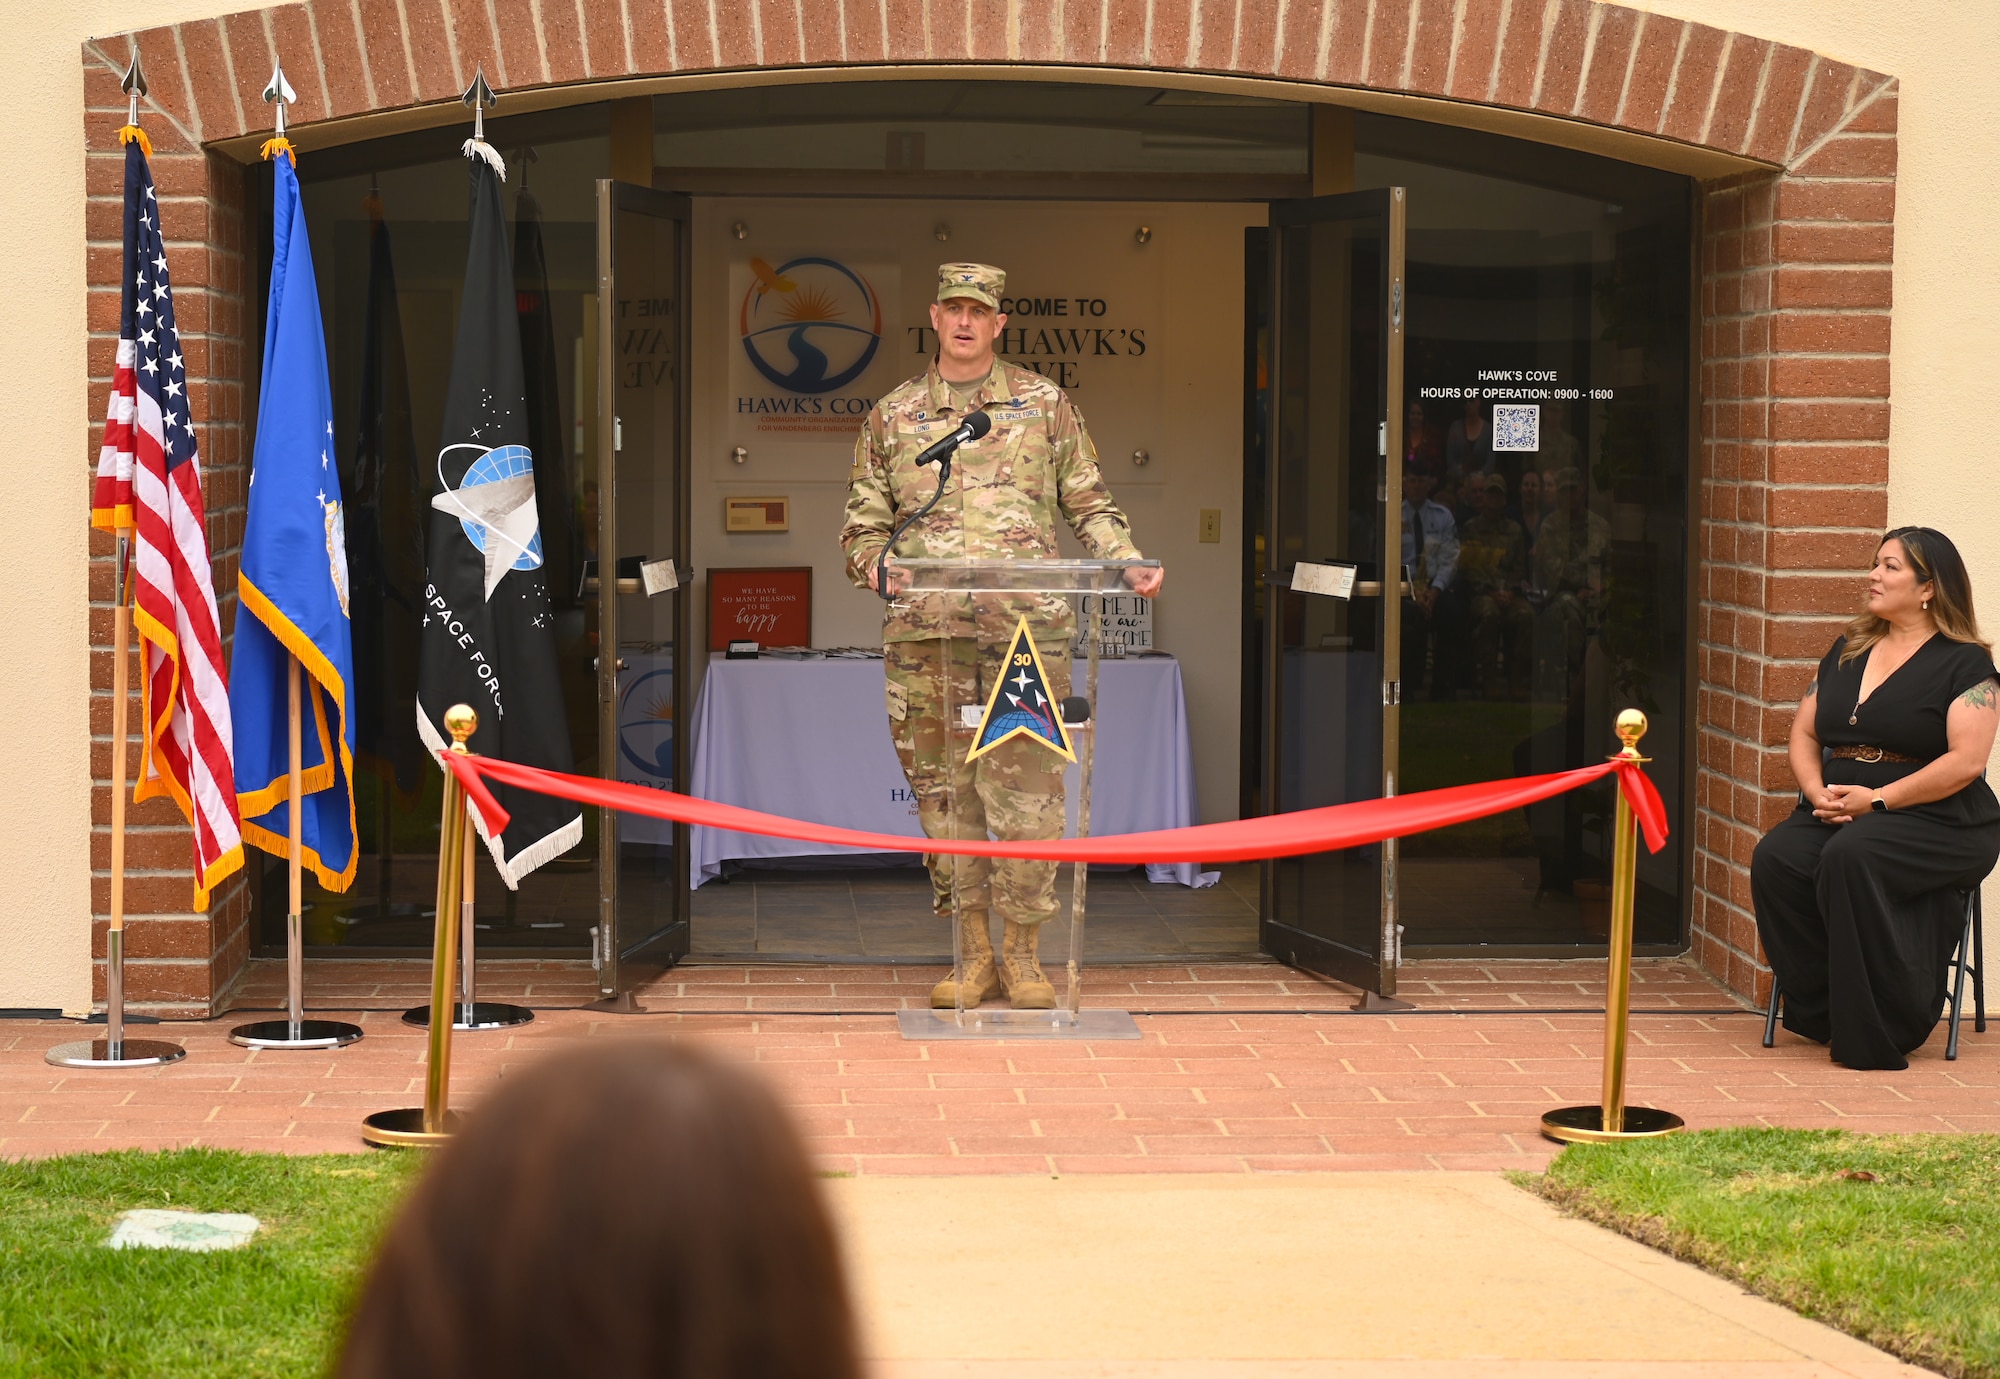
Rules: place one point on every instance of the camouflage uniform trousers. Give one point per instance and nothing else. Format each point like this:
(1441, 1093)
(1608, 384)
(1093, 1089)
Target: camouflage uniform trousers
(1015, 790)
(1502, 628)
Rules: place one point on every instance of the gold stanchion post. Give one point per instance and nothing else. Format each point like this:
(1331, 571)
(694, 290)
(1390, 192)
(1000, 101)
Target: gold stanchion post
(1612, 1119)
(431, 1124)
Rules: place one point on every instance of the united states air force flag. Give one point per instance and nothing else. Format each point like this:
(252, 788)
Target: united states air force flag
(488, 637)
(293, 581)
(1021, 704)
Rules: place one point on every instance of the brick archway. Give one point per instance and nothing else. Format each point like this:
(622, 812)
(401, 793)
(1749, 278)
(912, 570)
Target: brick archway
(1795, 287)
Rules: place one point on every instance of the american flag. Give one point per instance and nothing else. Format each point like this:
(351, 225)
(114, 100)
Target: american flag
(149, 478)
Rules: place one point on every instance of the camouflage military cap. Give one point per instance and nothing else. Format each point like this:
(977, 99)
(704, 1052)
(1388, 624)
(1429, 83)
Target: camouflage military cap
(1495, 483)
(980, 281)
(1568, 478)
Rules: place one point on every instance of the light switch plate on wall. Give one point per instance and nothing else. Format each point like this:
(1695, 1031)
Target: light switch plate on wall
(1211, 524)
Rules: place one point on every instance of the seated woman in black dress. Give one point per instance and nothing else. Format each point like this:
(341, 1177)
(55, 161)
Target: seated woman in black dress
(1858, 890)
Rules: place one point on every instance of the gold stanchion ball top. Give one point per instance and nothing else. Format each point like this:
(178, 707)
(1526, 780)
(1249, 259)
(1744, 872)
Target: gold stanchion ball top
(1631, 727)
(461, 722)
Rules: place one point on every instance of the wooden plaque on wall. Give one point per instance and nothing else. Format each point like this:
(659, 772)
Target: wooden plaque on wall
(768, 606)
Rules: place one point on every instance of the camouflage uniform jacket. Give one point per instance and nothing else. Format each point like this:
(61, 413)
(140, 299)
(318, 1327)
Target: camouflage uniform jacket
(1005, 493)
(1570, 550)
(1492, 554)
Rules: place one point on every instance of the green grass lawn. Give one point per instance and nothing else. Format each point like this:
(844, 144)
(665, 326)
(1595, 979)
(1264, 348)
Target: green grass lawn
(1892, 1238)
(68, 1306)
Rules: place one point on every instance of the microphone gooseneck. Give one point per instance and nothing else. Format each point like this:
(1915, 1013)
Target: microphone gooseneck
(974, 426)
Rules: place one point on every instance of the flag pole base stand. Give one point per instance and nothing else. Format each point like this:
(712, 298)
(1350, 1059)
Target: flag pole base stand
(1375, 1000)
(132, 1053)
(306, 1034)
(404, 1129)
(485, 1015)
(624, 1003)
(1585, 1125)
(990, 1022)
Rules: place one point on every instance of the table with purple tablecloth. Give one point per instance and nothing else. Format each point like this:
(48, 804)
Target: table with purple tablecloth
(810, 740)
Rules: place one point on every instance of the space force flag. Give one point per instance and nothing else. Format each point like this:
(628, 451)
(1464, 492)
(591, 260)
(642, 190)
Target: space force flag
(488, 638)
(293, 580)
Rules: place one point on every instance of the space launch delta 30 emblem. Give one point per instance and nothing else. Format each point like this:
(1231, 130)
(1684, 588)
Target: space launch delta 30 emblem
(1021, 704)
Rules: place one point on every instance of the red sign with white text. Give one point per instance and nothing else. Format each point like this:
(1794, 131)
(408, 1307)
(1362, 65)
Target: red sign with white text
(771, 607)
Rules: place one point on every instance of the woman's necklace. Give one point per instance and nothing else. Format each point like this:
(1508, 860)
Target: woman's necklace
(1864, 670)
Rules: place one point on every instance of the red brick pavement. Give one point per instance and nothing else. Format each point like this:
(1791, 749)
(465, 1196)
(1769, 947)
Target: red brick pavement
(1253, 1068)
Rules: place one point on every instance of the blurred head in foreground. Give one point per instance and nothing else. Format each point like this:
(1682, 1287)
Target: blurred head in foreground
(625, 1209)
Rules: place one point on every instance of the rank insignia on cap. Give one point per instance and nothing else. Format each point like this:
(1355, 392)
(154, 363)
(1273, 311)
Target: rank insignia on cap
(1022, 704)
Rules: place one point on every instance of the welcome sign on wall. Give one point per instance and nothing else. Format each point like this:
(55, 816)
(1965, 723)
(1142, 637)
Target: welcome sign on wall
(828, 308)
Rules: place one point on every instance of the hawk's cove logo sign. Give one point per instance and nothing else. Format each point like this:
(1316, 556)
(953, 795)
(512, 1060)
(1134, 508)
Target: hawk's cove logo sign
(809, 327)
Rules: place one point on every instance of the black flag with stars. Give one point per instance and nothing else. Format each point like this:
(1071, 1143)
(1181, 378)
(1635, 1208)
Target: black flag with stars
(488, 636)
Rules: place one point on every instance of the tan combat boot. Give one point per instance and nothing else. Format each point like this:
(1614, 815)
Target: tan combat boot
(1021, 971)
(982, 977)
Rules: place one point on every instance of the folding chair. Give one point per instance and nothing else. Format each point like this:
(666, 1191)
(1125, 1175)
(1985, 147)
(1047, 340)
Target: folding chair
(1970, 942)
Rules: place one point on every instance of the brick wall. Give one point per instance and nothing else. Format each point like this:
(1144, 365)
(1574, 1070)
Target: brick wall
(1795, 465)
(1795, 274)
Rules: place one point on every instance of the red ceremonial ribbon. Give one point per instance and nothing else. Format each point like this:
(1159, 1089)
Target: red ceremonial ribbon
(1243, 840)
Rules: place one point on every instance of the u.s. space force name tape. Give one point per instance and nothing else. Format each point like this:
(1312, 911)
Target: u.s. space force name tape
(1334, 580)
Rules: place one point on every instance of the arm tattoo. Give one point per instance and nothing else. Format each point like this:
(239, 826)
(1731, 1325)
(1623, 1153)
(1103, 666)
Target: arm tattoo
(1811, 690)
(1981, 696)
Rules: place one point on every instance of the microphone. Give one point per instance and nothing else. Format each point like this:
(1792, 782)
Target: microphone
(976, 425)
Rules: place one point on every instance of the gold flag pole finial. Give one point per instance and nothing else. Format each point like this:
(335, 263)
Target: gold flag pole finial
(1612, 1119)
(431, 1124)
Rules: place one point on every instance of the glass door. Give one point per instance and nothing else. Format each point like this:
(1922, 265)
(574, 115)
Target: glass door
(1331, 653)
(636, 575)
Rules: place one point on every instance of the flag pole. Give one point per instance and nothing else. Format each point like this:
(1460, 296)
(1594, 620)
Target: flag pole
(468, 1011)
(114, 1050)
(295, 1031)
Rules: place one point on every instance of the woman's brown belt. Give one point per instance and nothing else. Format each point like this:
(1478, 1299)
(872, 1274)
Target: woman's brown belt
(1872, 755)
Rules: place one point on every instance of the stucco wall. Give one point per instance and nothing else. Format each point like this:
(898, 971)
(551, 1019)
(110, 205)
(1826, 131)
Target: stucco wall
(1945, 339)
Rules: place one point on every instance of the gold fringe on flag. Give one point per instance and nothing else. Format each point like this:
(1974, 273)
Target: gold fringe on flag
(273, 147)
(131, 132)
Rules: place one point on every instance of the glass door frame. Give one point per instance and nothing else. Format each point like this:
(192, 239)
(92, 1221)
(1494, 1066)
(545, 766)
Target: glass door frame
(1375, 973)
(619, 968)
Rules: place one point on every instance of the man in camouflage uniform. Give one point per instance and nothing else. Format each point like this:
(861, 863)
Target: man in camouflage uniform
(1006, 492)
(1492, 562)
(1570, 552)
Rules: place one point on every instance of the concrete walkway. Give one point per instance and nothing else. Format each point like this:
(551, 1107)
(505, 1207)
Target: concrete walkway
(1327, 1276)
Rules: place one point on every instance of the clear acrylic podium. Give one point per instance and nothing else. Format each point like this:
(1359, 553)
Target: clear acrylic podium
(981, 579)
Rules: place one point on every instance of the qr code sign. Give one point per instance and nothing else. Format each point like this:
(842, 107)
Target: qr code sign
(1517, 427)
